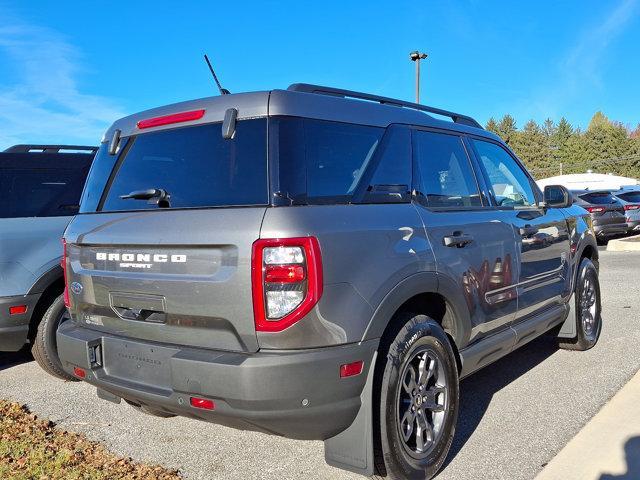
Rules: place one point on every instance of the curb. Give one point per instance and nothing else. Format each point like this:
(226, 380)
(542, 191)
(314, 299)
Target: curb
(629, 244)
(608, 446)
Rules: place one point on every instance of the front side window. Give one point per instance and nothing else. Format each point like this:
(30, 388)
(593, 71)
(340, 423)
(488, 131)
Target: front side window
(446, 179)
(196, 166)
(509, 183)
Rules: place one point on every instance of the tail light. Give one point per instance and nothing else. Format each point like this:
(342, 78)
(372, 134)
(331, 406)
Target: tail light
(595, 209)
(631, 207)
(63, 264)
(286, 280)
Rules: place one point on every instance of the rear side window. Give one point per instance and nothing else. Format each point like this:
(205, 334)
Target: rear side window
(632, 197)
(598, 198)
(444, 171)
(194, 165)
(41, 192)
(321, 161)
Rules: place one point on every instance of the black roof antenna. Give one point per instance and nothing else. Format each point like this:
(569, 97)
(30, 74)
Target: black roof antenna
(223, 91)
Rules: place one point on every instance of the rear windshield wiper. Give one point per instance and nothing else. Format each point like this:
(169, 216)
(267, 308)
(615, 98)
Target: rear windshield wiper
(155, 196)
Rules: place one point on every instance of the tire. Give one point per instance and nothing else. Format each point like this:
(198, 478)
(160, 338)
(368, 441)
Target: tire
(588, 308)
(602, 241)
(419, 358)
(45, 349)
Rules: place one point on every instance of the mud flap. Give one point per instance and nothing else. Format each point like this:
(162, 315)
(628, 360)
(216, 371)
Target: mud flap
(352, 449)
(569, 327)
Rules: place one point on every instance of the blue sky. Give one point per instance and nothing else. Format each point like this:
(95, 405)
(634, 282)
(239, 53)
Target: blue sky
(68, 69)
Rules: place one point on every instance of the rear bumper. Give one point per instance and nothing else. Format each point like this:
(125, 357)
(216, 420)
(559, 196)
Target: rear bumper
(610, 230)
(14, 329)
(633, 225)
(295, 393)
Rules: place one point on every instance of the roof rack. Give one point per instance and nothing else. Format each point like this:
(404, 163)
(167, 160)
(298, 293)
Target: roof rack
(338, 92)
(51, 149)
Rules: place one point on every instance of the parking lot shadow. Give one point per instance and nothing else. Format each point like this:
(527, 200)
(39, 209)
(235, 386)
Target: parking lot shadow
(477, 390)
(632, 456)
(11, 359)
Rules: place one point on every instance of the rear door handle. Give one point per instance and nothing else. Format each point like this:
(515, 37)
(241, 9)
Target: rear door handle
(458, 240)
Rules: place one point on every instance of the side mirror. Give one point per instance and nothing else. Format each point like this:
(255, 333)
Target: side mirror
(557, 196)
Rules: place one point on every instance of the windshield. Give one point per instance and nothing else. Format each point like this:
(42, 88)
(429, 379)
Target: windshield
(196, 166)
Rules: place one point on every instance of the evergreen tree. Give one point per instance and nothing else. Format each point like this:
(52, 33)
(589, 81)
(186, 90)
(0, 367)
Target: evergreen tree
(549, 149)
(492, 126)
(507, 128)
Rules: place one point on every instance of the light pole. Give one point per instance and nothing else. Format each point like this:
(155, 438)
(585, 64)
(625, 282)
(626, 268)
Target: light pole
(416, 57)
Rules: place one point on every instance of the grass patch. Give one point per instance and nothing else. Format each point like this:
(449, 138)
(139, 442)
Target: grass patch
(31, 448)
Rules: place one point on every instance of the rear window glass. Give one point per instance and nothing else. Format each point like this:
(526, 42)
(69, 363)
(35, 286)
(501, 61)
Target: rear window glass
(632, 197)
(194, 165)
(322, 161)
(598, 198)
(43, 192)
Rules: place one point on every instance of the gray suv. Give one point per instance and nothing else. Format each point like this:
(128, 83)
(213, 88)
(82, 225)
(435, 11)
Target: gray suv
(318, 264)
(40, 187)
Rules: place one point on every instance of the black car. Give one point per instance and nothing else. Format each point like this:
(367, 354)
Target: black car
(606, 211)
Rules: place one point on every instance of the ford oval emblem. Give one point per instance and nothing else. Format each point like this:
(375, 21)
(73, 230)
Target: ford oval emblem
(76, 288)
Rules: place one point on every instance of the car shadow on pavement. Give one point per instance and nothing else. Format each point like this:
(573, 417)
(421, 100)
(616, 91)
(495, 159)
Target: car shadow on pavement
(632, 455)
(477, 390)
(11, 359)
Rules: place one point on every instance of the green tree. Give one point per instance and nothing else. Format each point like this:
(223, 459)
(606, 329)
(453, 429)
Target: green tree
(492, 126)
(507, 128)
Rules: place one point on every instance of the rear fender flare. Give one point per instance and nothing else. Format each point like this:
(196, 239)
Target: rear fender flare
(46, 279)
(420, 283)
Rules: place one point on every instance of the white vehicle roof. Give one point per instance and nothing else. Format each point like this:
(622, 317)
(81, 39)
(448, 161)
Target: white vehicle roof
(589, 181)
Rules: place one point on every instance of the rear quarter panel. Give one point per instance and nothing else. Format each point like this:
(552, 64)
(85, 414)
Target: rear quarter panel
(29, 248)
(366, 251)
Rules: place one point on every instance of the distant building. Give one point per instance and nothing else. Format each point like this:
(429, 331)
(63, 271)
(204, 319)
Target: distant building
(589, 181)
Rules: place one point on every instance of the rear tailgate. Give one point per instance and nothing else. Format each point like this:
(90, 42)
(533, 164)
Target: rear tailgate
(172, 268)
(176, 277)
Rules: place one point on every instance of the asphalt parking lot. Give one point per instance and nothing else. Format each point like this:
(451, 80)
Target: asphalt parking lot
(515, 415)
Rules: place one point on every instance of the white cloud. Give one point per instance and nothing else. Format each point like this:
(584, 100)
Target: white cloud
(579, 71)
(44, 102)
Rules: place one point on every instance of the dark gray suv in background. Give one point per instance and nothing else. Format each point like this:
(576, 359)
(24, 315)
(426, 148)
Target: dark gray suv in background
(607, 213)
(320, 264)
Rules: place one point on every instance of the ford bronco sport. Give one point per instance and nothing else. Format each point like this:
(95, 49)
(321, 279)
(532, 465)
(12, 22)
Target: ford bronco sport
(317, 263)
(40, 187)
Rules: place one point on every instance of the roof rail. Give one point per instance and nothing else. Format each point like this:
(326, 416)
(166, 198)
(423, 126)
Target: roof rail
(338, 92)
(51, 149)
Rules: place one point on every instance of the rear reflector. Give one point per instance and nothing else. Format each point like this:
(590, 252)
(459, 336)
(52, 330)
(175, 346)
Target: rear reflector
(595, 209)
(17, 310)
(169, 119)
(351, 369)
(203, 403)
(79, 372)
